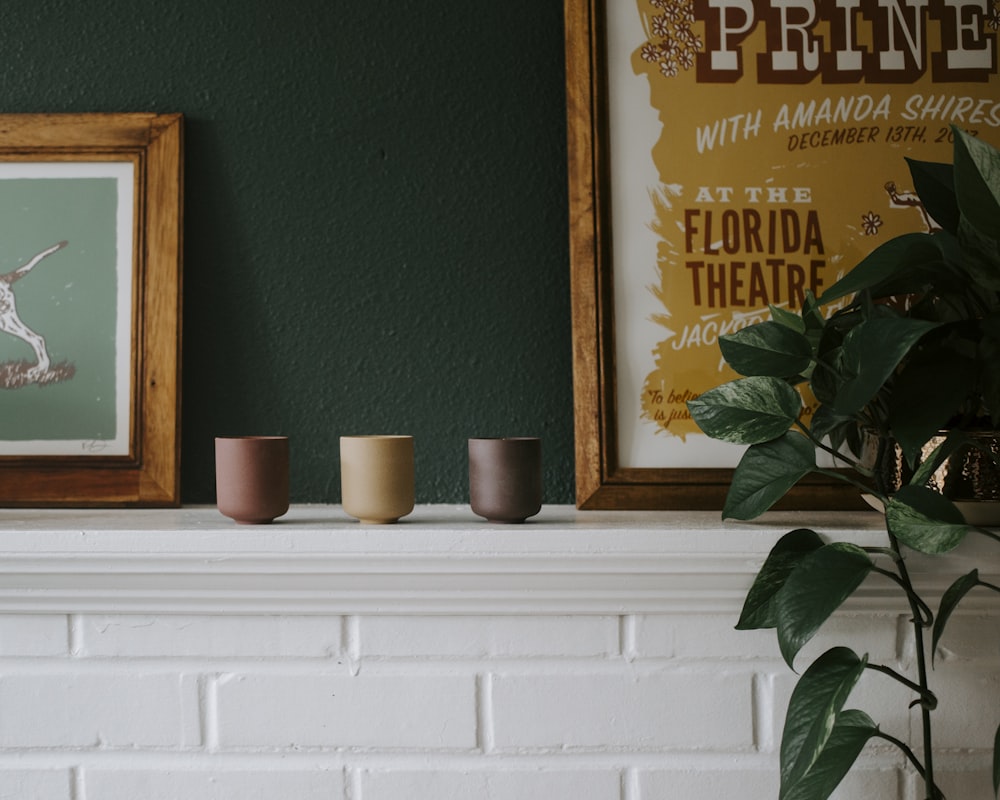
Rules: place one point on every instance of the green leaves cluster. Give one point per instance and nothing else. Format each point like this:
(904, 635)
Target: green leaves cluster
(915, 349)
(803, 581)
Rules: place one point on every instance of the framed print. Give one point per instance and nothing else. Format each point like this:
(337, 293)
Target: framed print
(90, 221)
(726, 156)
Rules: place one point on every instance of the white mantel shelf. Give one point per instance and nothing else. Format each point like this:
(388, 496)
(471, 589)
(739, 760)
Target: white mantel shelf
(439, 560)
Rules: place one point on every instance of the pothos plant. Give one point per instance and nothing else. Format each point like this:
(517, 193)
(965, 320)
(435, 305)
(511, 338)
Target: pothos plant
(914, 349)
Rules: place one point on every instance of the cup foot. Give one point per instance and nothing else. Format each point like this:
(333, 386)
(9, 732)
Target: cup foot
(254, 521)
(379, 521)
(519, 521)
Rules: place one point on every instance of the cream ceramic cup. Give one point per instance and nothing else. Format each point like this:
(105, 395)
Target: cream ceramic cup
(376, 477)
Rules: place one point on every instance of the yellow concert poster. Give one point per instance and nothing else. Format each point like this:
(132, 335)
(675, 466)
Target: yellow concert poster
(759, 151)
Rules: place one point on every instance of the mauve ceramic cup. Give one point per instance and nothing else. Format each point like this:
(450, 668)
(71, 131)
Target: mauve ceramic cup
(377, 477)
(505, 478)
(251, 477)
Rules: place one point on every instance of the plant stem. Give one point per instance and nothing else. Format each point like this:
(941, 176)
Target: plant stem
(881, 551)
(926, 616)
(987, 533)
(926, 697)
(840, 476)
(935, 793)
(919, 622)
(918, 635)
(826, 448)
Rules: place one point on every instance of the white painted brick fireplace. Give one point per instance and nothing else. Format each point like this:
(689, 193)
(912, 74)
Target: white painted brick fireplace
(159, 655)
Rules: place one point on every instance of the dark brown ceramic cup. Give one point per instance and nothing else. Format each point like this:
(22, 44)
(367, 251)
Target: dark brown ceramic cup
(505, 478)
(251, 477)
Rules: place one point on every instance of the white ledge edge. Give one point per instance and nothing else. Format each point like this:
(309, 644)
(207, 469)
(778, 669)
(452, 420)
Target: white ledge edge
(442, 561)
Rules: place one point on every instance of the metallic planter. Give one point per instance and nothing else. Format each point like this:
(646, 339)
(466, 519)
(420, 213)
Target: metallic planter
(968, 475)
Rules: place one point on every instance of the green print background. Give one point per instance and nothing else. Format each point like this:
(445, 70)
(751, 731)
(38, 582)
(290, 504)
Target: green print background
(69, 297)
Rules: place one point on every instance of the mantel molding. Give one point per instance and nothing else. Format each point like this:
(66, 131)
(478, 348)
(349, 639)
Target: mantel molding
(440, 560)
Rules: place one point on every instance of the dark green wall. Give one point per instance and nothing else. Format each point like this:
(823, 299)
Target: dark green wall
(375, 221)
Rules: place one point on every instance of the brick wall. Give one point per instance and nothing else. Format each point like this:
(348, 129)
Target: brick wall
(649, 705)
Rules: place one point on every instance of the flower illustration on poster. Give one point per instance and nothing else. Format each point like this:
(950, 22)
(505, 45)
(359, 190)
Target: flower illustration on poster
(870, 223)
(773, 138)
(673, 41)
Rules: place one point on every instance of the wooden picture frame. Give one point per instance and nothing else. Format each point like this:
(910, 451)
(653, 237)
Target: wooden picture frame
(601, 481)
(116, 181)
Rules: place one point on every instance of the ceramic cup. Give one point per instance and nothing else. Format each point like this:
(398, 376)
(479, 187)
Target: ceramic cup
(505, 478)
(376, 477)
(251, 477)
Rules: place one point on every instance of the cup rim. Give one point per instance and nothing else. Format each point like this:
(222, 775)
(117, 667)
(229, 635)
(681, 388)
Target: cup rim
(378, 436)
(250, 437)
(505, 438)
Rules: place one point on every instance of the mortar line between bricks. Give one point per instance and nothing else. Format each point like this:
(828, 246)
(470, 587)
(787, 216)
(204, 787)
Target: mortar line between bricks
(359, 762)
(906, 784)
(351, 636)
(77, 789)
(352, 783)
(904, 650)
(74, 635)
(209, 703)
(485, 737)
(396, 667)
(762, 699)
(356, 760)
(627, 636)
(630, 784)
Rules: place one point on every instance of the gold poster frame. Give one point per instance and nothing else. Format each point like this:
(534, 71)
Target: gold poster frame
(149, 473)
(601, 482)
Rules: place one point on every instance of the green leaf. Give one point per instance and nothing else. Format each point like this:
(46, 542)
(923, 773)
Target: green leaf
(816, 702)
(812, 317)
(930, 266)
(915, 423)
(818, 586)
(980, 255)
(826, 421)
(925, 520)
(871, 352)
(977, 182)
(989, 359)
(996, 763)
(747, 410)
(787, 318)
(879, 265)
(766, 471)
(758, 608)
(767, 348)
(935, 185)
(949, 601)
(828, 376)
(953, 441)
(851, 732)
